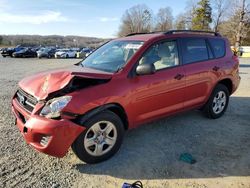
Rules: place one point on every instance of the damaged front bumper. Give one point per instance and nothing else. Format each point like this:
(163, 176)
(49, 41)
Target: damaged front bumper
(53, 137)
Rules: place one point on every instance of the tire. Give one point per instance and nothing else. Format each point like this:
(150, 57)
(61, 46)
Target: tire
(217, 102)
(4, 56)
(89, 153)
(67, 56)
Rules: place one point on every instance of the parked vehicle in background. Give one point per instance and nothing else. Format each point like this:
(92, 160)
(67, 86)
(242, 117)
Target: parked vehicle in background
(124, 83)
(84, 53)
(1, 50)
(35, 49)
(9, 51)
(65, 53)
(244, 51)
(26, 52)
(46, 52)
(76, 49)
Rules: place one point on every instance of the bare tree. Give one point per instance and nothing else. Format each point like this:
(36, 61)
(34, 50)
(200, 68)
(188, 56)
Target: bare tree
(243, 13)
(191, 6)
(181, 22)
(137, 19)
(184, 20)
(164, 19)
(236, 24)
(220, 8)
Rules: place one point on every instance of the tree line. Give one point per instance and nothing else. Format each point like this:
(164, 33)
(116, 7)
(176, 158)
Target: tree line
(231, 18)
(51, 40)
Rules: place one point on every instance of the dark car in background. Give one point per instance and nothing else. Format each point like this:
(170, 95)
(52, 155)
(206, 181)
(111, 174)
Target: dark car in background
(9, 51)
(46, 52)
(26, 52)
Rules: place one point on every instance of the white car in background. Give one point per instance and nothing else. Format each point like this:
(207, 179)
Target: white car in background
(65, 53)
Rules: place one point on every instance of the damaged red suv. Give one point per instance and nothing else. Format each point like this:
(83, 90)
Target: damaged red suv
(126, 82)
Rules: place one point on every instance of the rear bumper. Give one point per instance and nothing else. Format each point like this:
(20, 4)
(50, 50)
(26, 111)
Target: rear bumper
(59, 134)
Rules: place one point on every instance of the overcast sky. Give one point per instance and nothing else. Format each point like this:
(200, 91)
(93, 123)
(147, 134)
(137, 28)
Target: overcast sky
(98, 18)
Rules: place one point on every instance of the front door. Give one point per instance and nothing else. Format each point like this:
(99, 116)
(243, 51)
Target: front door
(160, 93)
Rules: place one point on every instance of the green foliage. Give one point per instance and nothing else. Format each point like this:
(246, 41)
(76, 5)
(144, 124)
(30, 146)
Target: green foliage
(202, 16)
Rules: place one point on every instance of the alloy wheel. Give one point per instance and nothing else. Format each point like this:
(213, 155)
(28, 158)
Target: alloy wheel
(219, 102)
(100, 138)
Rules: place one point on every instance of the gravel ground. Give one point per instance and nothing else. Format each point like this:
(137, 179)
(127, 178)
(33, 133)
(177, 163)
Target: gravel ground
(149, 153)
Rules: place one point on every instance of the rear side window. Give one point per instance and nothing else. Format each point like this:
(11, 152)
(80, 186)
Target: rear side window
(218, 47)
(194, 50)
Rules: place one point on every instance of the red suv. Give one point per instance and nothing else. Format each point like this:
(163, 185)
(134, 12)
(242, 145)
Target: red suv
(126, 82)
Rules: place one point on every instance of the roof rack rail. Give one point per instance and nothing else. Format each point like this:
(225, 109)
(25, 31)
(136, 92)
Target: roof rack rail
(131, 34)
(143, 33)
(192, 31)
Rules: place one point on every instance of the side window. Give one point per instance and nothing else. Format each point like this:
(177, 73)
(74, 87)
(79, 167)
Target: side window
(210, 54)
(162, 55)
(218, 47)
(194, 50)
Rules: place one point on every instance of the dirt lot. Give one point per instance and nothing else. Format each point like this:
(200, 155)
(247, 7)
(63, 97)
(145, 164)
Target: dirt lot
(149, 153)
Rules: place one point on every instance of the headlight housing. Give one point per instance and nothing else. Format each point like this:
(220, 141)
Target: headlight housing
(53, 107)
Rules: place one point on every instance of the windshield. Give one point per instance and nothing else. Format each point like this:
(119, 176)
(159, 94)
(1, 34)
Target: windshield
(112, 56)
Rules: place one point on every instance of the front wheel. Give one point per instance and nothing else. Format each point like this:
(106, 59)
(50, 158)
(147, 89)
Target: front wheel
(218, 102)
(101, 139)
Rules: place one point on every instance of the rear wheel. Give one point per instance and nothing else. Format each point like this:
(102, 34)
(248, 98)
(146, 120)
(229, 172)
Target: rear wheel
(101, 139)
(218, 102)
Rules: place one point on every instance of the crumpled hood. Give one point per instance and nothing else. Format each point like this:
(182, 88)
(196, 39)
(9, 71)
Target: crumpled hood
(42, 84)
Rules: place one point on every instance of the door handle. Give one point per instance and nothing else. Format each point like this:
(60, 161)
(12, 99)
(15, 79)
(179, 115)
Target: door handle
(215, 68)
(179, 76)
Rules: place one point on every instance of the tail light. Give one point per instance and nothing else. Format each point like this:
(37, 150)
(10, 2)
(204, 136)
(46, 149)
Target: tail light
(236, 59)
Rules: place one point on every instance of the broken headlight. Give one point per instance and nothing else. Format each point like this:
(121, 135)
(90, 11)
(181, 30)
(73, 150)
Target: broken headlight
(53, 107)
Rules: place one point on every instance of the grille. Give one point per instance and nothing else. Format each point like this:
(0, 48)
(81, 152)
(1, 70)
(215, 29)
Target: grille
(27, 101)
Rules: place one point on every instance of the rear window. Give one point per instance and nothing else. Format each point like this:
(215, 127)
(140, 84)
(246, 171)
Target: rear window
(194, 50)
(218, 47)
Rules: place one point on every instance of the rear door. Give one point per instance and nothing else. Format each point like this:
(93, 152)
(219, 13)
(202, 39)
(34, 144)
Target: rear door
(201, 70)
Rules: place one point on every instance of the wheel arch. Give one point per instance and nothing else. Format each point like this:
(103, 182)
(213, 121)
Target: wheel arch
(113, 107)
(228, 83)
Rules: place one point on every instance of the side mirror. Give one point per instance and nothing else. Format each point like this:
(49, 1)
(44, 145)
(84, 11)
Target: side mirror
(145, 69)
